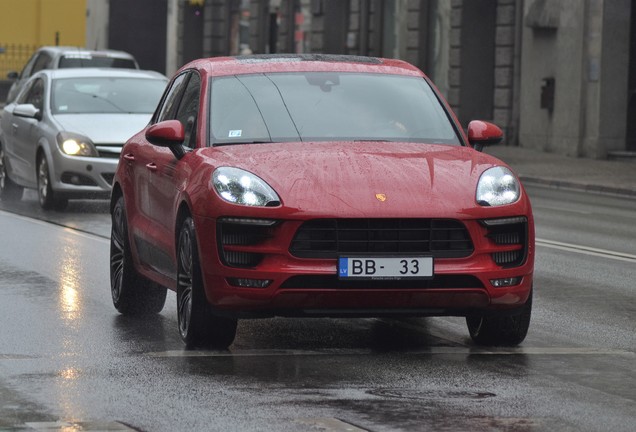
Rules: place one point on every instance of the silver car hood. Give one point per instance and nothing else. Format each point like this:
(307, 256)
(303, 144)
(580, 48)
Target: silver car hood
(104, 128)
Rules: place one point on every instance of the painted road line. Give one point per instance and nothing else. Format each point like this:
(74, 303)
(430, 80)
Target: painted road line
(586, 250)
(562, 209)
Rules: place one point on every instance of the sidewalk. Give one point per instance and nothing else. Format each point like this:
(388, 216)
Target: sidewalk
(592, 175)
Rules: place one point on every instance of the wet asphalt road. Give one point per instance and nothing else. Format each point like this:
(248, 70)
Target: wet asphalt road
(69, 362)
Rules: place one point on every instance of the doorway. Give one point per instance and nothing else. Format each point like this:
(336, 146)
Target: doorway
(630, 144)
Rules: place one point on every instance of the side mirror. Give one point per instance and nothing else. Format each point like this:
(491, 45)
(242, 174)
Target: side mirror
(27, 111)
(13, 75)
(481, 133)
(170, 134)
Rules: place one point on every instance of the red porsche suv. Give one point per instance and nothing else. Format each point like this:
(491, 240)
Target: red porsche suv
(313, 186)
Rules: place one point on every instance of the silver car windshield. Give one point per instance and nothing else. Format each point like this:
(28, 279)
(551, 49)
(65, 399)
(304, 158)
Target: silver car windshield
(327, 106)
(105, 95)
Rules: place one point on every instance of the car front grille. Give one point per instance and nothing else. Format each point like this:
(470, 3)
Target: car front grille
(329, 238)
(111, 151)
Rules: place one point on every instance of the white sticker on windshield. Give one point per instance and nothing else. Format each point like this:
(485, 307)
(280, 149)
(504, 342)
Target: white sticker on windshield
(235, 133)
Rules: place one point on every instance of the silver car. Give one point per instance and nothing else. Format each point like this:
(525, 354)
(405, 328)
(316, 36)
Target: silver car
(64, 133)
(62, 57)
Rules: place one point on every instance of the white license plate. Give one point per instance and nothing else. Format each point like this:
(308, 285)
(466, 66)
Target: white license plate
(385, 268)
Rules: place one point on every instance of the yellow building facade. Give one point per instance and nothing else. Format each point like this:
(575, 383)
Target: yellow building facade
(25, 25)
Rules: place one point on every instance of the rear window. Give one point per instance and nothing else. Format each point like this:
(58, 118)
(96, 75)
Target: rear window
(82, 60)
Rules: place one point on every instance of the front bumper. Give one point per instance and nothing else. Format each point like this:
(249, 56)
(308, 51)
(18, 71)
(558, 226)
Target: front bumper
(281, 284)
(82, 177)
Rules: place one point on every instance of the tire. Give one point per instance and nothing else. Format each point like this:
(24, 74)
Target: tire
(198, 325)
(505, 330)
(9, 191)
(46, 196)
(132, 293)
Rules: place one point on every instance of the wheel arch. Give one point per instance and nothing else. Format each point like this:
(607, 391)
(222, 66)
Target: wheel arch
(42, 150)
(115, 193)
(183, 212)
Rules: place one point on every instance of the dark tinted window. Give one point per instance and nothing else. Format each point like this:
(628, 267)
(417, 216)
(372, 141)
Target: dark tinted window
(83, 60)
(35, 94)
(327, 107)
(22, 97)
(42, 62)
(189, 109)
(170, 103)
(26, 72)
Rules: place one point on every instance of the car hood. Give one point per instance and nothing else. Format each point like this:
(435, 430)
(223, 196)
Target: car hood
(104, 128)
(363, 179)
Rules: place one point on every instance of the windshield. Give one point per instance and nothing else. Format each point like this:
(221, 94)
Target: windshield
(106, 95)
(327, 106)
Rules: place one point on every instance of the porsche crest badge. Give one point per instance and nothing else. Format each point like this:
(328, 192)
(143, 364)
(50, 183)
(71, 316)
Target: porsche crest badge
(380, 197)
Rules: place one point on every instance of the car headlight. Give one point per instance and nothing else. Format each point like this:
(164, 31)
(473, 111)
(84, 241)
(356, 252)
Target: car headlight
(242, 187)
(497, 186)
(74, 144)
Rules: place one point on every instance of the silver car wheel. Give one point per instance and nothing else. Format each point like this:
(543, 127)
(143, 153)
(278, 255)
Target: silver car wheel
(3, 173)
(43, 181)
(9, 191)
(184, 287)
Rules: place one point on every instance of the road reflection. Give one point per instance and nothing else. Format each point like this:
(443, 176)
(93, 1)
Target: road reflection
(69, 300)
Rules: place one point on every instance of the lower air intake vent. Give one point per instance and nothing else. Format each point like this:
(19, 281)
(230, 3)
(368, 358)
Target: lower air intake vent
(511, 233)
(236, 235)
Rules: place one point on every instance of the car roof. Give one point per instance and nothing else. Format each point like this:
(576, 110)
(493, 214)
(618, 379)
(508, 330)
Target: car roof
(264, 63)
(66, 50)
(100, 72)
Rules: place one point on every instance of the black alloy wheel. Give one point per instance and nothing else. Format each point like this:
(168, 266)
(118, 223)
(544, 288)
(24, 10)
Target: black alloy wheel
(46, 196)
(9, 191)
(132, 293)
(504, 330)
(198, 325)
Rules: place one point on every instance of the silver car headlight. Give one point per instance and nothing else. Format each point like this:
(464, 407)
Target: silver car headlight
(74, 144)
(238, 186)
(498, 186)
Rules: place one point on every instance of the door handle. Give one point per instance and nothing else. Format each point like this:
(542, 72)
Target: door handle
(14, 127)
(129, 157)
(151, 166)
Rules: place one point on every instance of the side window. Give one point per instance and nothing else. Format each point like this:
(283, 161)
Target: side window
(26, 71)
(188, 110)
(42, 62)
(24, 93)
(35, 95)
(170, 102)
